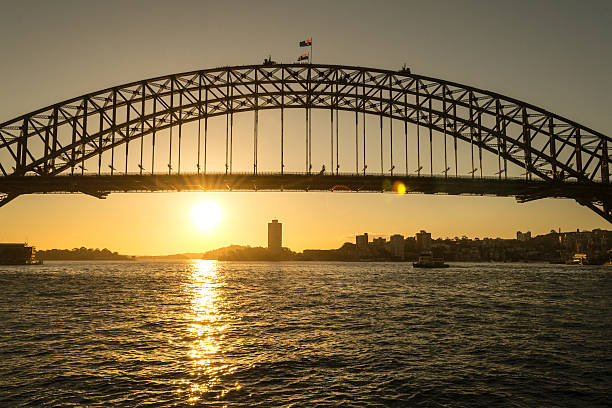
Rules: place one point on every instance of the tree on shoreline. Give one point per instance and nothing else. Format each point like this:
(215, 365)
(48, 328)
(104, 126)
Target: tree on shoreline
(81, 254)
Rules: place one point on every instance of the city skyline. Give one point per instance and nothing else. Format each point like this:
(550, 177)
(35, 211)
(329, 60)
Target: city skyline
(551, 73)
(274, 239)
(556, 247)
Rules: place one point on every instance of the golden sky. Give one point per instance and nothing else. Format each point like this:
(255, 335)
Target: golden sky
(162, 223)
(57, 50)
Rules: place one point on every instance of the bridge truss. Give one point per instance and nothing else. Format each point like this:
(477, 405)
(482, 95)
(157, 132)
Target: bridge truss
(60, 148)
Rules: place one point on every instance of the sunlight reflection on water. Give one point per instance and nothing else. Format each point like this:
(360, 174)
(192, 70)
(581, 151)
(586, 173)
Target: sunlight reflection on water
(206, 329)
(256, 335)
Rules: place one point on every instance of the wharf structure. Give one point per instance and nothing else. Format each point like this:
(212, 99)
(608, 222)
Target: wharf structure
(17, 254)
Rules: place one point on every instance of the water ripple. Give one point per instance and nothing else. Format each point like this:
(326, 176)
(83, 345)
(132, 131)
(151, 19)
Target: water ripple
(302, 335)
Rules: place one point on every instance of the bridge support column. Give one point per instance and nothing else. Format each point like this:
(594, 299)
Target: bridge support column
(578, 152)
(84, 136)
(471, 102)
(47, 149)
(527, 144)
(418, 126)
(497, 132)
(22, 148)
(605, 171)
(54, 138)
(552, 147)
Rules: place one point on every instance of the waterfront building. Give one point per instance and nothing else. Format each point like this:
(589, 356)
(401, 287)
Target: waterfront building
(361, 242)
(520, 236)
(423, 239)
(379, 243)
(17, 254)
(275, 237)
(397, 246)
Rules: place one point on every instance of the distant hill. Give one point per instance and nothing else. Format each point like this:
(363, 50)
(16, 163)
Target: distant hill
(244, 253)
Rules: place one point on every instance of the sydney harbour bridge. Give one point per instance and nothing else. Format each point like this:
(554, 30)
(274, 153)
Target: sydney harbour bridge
(374, 130)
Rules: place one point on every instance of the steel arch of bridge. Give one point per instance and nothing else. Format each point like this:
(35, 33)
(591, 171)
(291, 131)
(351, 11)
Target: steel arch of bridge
(562, 157)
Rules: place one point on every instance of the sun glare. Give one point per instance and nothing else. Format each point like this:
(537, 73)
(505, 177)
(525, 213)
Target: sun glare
(206, 215)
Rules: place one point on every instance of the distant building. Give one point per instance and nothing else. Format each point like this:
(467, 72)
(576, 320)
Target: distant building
(275, 237)
(361, 241)
(397, 246)
(523, 236)
(423, 239)
(410, 245)
(379, 243)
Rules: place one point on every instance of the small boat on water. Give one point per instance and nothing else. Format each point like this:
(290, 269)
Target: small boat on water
(579, 259)
(427, 260)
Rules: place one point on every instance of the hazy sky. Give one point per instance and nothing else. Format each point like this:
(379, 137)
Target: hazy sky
(554, 54)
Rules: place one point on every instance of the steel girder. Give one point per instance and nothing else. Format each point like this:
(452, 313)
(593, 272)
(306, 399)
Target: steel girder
(59, 139)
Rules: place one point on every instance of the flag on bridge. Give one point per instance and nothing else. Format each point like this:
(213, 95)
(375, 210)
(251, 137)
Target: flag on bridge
(306, 43)
(303, 57)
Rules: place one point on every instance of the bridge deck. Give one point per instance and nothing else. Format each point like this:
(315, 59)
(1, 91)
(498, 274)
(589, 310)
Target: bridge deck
(102, 185)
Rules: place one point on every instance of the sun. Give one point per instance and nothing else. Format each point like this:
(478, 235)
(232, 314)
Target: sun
(206, 215)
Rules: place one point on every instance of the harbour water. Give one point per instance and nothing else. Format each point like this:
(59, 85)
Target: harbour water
(204, 333)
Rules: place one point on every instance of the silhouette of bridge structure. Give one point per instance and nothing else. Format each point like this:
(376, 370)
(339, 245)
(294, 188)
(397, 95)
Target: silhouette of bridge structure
(430, 136)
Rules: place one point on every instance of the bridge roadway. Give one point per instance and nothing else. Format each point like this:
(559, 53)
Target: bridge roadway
(101, 185)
